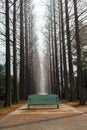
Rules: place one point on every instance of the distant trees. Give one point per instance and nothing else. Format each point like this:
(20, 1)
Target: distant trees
(28, 49)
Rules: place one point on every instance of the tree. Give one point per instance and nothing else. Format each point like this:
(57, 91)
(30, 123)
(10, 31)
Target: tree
(22, 81)
(64, 54)
(26, 46)
(71, 75)
(56, 51)
(79, 63)
(8, 86)
(15, 84)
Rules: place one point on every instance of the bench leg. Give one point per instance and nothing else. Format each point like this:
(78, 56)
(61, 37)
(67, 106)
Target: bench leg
(58, 106)
(28, 106)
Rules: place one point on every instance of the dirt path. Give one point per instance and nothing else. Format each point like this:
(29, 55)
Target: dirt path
(46, 118)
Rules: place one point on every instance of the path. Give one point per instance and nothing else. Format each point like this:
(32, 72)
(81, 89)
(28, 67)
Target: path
(46, 118)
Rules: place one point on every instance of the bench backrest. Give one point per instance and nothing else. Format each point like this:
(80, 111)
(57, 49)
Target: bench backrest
(43, 99)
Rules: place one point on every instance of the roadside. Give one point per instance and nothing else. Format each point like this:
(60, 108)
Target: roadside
(7, 110)
(45, 118)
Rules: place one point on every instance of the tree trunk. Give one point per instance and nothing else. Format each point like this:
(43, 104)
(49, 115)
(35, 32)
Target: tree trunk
(61, 53)
(8, 85)
(65, 92)
(15, 85)
(52, 47)
(71, 75)
(56, 51)
(22, 82)
(26, 47)
(51, 76)
(79, 63)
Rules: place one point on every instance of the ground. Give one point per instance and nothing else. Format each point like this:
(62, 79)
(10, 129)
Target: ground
(46, 118)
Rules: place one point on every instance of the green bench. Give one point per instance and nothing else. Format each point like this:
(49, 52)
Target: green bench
(49, 99)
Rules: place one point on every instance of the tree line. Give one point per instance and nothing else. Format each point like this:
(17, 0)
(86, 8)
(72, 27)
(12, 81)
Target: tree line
(66, 41)
(21, 51)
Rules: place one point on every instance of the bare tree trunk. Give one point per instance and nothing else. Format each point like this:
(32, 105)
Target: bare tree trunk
(51, 76)
(61, 53)
(71, 75)
(64, 56)
(56, 55)
(15, 85)
(53, 64)
(26, 46)
(22, 82)
(79, 63)
(8, 85)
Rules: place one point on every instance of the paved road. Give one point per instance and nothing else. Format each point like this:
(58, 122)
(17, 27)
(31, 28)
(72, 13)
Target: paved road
(46, 118)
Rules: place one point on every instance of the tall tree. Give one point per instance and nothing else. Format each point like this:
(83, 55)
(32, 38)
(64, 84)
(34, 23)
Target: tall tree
(71, 75)
(8, 86)
(22, 81)
(26, 46)
(56, 51)
(79, 63)
(61, 53)
(15, 85)
(52, 42)
(64, 53)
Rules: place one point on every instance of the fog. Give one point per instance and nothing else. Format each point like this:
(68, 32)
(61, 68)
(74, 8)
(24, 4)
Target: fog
(42, 86)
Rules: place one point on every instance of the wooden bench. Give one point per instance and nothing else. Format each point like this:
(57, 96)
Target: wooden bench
(49, 99)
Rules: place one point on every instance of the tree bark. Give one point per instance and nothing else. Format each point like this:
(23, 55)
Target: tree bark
(8, 85)
(26, 47)
(64, 56)
(22, 81)
(56, 51)
(15, 85)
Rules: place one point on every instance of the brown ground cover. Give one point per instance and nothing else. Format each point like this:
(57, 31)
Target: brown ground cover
(4, 111)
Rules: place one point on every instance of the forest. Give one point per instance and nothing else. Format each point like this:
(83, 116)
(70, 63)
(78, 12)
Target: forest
(62, 67)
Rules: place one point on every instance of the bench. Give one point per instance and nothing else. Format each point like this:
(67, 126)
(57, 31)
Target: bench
(49, 99)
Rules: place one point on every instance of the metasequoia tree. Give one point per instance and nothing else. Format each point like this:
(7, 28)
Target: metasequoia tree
(22, 81)
(8, 85)
(48, 57)
(79, 63)
(15, 84)
(64, 51)
(26, 46)
(71, 75)
(56, 50)
(52, 47)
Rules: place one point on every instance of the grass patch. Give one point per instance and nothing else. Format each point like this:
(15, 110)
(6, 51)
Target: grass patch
(73, 104)
(5, 110)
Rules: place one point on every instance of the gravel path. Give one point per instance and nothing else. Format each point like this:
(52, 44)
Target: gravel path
(46, 118)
